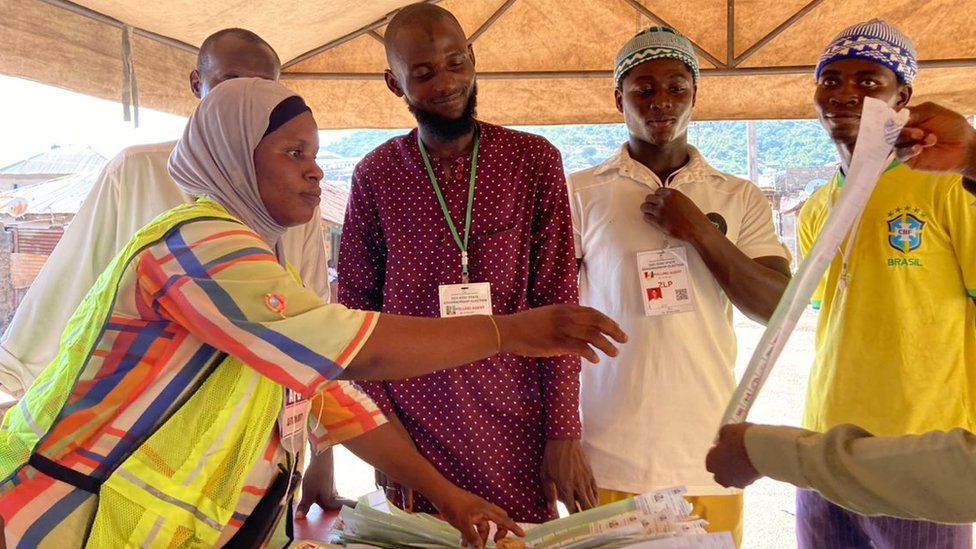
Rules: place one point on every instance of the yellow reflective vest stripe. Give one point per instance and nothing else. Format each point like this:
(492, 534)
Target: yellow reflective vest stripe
(179, 488)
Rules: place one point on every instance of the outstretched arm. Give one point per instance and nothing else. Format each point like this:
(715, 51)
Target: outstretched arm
(387, 450)
(929, 477)
(402, 346)
(218, 281)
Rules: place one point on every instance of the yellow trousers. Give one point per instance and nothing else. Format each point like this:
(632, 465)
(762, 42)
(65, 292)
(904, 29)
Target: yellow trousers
(723, 513)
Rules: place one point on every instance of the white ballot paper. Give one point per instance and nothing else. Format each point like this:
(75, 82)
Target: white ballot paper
(663, 516)
(880, 126)
(718, 540)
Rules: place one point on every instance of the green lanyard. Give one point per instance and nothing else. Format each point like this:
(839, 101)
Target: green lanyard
(463, 245)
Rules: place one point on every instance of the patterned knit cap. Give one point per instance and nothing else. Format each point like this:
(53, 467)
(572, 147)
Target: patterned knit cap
(655, 43)
(875, 41)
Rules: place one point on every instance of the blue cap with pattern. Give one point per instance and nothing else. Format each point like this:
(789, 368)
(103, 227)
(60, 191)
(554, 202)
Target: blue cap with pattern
(876, 41)
(655, 43)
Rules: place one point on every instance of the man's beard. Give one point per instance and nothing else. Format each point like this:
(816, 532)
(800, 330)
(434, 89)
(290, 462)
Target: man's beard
(447, 129)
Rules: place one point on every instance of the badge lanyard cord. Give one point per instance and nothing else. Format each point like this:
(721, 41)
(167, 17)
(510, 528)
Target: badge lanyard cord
(664, 185)
(461, 244)
(292, 454)
(848, 245)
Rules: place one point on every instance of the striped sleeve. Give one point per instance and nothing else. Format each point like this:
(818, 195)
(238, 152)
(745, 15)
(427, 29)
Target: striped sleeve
(221, 283)
(339, 412)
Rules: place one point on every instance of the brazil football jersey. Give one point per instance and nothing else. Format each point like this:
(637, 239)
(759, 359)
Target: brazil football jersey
(896, 337)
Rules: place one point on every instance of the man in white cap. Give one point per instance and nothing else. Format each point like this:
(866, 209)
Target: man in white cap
(668, 245)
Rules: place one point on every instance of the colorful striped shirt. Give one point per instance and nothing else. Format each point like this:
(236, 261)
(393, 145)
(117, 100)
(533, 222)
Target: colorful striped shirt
(201, 292)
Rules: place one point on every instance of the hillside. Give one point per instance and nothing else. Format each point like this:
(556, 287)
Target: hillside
(781, 144)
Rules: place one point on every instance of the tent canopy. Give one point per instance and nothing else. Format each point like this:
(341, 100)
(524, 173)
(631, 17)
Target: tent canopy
(538, 61)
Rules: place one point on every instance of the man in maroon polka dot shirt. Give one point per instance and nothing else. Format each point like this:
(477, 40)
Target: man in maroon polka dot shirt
(505, 428)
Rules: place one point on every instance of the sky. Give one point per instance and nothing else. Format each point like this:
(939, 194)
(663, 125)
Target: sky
(34, 117)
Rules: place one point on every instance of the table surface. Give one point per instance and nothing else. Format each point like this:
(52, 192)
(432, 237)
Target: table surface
(317, 525)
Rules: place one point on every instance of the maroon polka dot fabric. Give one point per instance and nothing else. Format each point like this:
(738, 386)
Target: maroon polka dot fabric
(483, 425)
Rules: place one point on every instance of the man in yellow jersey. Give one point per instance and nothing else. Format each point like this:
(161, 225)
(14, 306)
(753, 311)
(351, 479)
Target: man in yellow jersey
(930, 476)
(897, 321)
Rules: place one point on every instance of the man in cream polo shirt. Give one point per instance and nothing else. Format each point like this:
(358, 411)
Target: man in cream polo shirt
(667, 244)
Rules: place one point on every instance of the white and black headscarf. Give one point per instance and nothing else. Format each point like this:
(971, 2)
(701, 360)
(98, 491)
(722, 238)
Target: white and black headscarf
(215, 156)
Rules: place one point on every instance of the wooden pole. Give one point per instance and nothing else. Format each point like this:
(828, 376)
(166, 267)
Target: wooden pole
(752, 157)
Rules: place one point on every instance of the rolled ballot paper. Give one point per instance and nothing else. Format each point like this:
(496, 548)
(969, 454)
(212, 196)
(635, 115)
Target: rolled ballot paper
(879, 128)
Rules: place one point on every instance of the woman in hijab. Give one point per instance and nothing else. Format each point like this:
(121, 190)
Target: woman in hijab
(175, 413)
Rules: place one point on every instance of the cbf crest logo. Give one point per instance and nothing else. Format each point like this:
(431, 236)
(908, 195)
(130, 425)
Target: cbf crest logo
(905, 229)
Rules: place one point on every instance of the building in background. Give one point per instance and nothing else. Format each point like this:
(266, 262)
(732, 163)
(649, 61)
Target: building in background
(334, 201)
(33, 219)
(337, 169)
(793, 187)
(58, 161)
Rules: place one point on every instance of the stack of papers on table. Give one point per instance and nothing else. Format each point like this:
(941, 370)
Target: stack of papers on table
(657, 520)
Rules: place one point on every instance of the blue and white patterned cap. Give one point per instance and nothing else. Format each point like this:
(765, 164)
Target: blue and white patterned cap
(655, 43)
(875, 41)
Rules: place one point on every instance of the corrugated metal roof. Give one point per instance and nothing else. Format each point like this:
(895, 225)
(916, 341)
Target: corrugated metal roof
(63, 195)
(24, 268)
(37, 240)
(58, 161)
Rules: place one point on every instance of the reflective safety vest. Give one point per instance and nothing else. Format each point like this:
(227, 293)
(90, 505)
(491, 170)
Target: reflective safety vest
(178, 487)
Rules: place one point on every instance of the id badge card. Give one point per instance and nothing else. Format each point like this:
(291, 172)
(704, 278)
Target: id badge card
(292, 421)
(465, 299)
(665, 284)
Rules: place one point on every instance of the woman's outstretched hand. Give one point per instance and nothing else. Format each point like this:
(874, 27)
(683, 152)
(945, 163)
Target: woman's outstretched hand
(556, 330)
